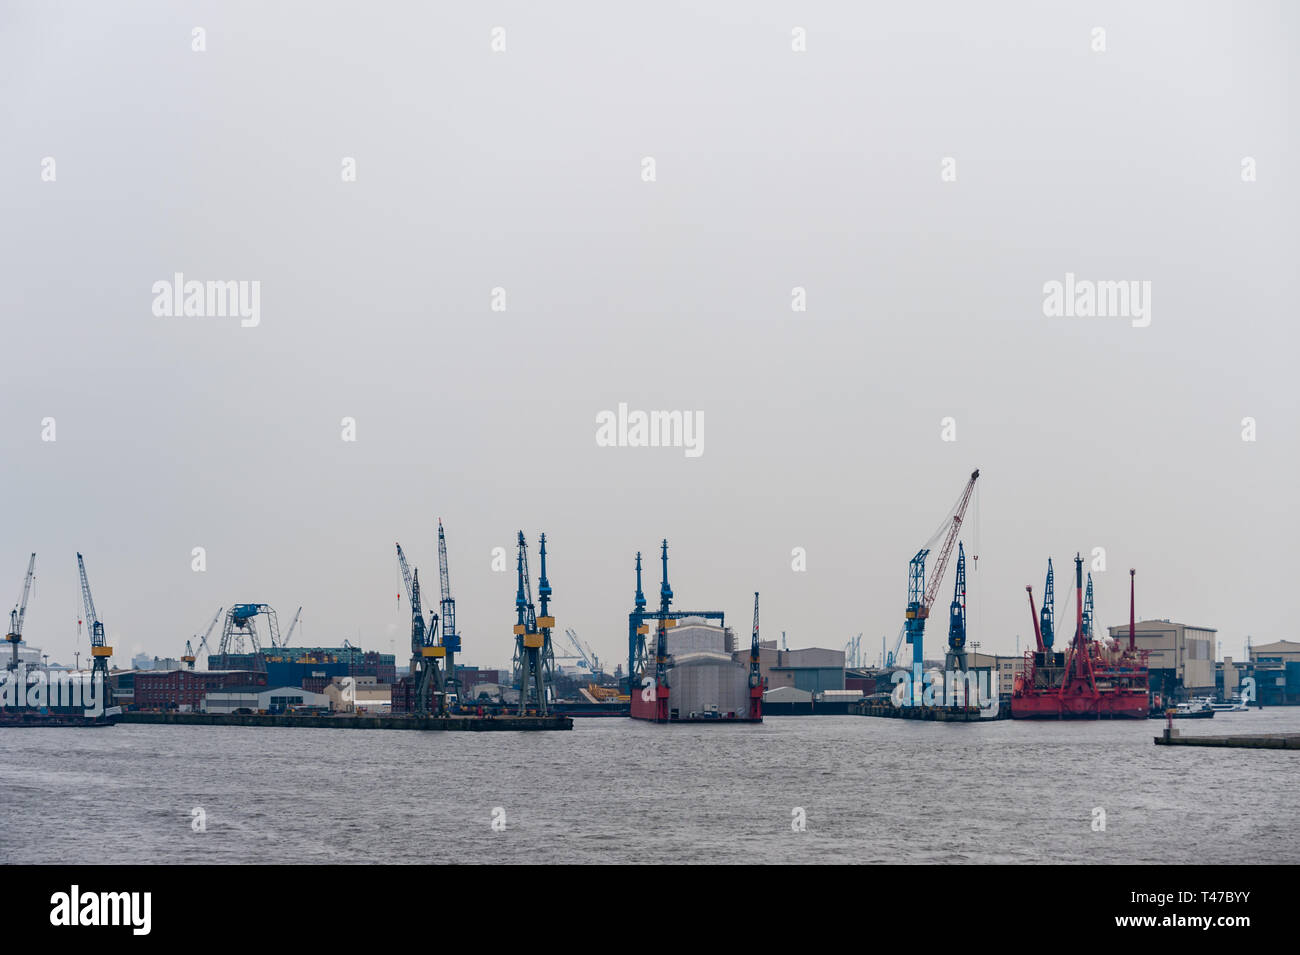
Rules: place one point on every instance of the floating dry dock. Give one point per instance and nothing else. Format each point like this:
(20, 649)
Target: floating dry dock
(1246, 741)
(468, 724)
(943, 714)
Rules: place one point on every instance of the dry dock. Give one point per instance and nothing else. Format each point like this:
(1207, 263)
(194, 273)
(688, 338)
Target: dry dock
(943, 714)
(469, 724)
(1245, 741)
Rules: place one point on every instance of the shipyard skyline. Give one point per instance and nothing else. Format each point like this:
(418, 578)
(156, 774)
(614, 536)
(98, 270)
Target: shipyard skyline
(857, 306)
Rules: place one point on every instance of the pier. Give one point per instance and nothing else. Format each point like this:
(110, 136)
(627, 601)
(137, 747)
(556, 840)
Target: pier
(1171, 737)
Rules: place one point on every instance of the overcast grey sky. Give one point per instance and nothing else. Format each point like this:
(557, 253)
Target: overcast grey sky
(523, 169)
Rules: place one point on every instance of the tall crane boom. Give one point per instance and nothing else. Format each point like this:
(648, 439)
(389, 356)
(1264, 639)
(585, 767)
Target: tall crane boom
(191, 652)
(1047, 615)
(15, 635)
(957, 616)
(292, 626)
(99, 649)
(946, 551)
(406, 571)
(920, 598)
(450, 635)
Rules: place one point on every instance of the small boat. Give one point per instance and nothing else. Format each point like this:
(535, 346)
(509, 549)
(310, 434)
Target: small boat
(1192, 710)
(1234, 705)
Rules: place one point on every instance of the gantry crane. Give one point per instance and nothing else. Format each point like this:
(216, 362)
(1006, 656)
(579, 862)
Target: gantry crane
(534, 657)
(450, 635)
(15, 634)
(920, 597)
(956, 656)
(1047, 616)
(430, 696)
(100, 651)
(192, 652)
(240, 624)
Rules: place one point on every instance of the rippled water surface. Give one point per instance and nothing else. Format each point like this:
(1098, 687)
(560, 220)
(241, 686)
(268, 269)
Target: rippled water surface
(611, 790)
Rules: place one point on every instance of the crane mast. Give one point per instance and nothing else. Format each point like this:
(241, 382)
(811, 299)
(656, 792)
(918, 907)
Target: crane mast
(99, 649)
(450, 635)
(1033, 614)
(292, 626)
(1087, 610)
(16, 616)
(755, 672)
(534, 658)
(430, 699)
(203, 642)
(1047, 619)
(956, 659)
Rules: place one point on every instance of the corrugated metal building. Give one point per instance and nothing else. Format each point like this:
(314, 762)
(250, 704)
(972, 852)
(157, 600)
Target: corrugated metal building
(702, 683)
(813, 670)
(1181, 656)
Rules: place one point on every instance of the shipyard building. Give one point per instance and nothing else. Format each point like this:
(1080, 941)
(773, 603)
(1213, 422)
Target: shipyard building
(1181, 661)
(813, 670)
(704, 679)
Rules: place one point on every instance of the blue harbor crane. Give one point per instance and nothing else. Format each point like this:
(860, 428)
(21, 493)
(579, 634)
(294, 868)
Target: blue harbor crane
(956, 657)
(534, 657)
(1087, 610)
(240, 623)
(531, 670)
(920, 595)
(1047, 614)
(450, 635)
(430, 698)
(100, 651)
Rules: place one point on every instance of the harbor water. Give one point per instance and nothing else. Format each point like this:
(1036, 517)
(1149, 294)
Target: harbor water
(617, 790)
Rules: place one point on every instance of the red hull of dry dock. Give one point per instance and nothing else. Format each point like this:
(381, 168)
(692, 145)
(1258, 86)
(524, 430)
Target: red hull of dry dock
(1052, 706)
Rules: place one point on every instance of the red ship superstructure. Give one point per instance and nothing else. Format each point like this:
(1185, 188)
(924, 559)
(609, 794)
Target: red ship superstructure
(1090, 680)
